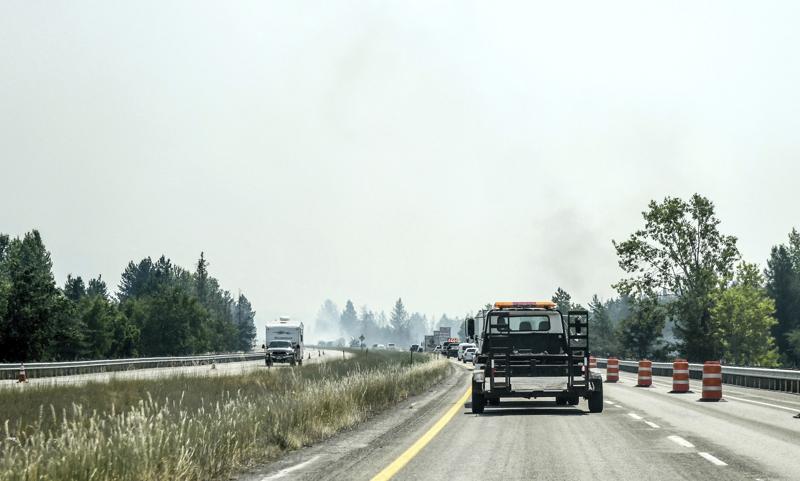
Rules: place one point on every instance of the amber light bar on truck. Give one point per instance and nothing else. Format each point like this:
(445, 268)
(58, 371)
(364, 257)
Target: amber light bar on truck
(534, 305)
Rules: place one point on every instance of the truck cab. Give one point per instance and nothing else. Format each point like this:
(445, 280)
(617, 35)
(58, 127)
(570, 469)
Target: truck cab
(284, 342)
(531, 350)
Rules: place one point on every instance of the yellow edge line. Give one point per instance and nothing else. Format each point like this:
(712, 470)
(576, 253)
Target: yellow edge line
(389, 471)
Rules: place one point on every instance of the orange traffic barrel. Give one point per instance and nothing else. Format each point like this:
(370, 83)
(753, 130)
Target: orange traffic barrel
(592, 362)
(612, 369)
(23, 376)
(712, 381)
(680, 376)
(645, 373)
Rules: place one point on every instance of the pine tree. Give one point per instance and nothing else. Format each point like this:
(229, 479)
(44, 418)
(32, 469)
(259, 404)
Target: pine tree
(349, 320)
(74, 289)
(327, 321)
(399, 321)
(245, 324)
(31, 300)
(127, 329)
(369, 327)
(783, 285)
(562, 300)
(98, 316)
(601, 331)
(97, 287)
(5, 289)
(167, 323)
(69, 333)
(136, 280)
(201, 280)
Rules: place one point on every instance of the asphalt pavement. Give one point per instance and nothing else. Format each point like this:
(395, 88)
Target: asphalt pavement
(643, 434)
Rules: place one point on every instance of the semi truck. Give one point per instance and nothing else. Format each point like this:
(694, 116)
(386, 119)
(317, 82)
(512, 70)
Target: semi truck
(284, 341)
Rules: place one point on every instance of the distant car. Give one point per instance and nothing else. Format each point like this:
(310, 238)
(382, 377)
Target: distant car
(462, 347)
(380, 347)
(420, 349)
(414, 348)
(391, 346)
(451, 349)
(469, 355)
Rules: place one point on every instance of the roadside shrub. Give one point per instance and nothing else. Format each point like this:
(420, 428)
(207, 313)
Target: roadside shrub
(195, 427)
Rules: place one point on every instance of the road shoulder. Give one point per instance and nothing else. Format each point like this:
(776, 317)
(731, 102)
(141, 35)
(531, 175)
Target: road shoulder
(363, 451)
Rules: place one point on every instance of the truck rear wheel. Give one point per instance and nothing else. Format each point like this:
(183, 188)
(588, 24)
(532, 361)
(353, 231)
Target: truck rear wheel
(292, 362)
(494, 401)
(478, 401)
(300, 362)
(596, 398)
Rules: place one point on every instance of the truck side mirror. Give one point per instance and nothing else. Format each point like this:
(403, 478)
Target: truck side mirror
(470, 327)
(263, 346)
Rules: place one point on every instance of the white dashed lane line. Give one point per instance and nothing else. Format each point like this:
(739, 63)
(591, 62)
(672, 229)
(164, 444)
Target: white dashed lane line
(714, 460)
(686, 444)
(680, 441)
(677, 439)
(284, 472)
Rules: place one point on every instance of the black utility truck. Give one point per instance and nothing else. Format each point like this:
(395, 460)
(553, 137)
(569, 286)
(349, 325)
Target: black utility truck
(531, 350)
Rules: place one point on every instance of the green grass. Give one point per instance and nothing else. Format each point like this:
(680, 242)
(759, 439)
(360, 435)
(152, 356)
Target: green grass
(195, 427)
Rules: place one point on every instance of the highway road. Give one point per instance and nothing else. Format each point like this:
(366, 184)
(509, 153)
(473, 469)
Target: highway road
(643, 434)
(221, 369)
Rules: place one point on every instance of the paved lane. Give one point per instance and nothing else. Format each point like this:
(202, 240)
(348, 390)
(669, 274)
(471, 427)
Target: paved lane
(762, 434)
(538, 440)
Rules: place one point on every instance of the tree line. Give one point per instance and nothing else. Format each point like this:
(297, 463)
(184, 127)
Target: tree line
(688, 292)
(402, 327)
(159, 309)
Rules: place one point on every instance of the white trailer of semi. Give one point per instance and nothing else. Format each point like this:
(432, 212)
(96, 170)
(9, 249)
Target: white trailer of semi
(284, 341)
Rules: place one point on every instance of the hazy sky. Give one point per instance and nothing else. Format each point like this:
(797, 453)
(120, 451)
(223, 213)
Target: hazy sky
(451, 153)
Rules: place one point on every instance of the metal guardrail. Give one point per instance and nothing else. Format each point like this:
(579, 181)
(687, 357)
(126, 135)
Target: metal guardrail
(785, 380)
(52, 369)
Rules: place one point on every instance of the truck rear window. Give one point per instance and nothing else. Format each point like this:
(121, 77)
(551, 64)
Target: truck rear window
(519, 323)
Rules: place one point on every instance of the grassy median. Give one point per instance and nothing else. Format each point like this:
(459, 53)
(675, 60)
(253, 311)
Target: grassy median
(195, 427)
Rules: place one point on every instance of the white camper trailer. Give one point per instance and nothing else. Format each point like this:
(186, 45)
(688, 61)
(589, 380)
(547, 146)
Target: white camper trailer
(284, 341)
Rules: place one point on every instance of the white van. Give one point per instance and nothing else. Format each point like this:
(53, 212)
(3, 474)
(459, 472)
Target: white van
(462, 347)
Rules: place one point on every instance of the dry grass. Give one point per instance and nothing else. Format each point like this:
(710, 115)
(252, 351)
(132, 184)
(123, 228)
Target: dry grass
(194, 427)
